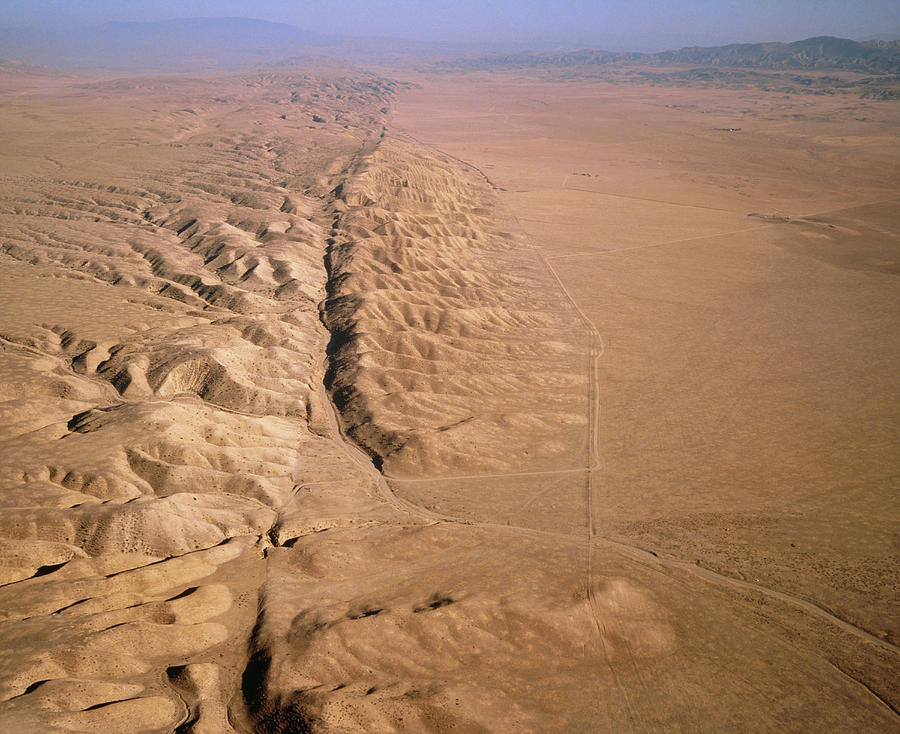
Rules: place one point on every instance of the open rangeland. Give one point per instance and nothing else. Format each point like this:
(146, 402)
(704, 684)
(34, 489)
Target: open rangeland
(493, 403)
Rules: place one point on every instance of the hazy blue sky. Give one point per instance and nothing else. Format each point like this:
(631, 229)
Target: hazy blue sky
(630, 21)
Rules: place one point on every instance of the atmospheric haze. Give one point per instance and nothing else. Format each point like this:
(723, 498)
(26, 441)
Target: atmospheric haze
(618, 25)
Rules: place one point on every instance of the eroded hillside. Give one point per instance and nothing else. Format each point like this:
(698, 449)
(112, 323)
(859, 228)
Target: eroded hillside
(162, 359)
(170, 263)
(453, 350)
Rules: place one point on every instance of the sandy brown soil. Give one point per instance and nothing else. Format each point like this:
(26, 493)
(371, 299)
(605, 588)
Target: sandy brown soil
(535, 407)
(735, 256)
(162, 269)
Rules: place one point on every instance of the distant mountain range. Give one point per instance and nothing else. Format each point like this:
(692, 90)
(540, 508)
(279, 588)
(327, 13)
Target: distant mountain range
(220, 43)
(822, 52)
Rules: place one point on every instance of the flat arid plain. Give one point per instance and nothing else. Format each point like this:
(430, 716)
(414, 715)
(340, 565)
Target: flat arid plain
(341, 401)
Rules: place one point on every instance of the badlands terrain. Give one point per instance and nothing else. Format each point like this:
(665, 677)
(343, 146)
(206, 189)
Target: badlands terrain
(338, 401)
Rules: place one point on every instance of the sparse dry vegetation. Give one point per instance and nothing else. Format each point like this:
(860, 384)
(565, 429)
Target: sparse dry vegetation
(484, 403)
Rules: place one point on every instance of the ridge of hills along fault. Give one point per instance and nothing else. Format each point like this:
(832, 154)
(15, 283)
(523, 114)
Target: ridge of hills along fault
(162, 268)
(171, 455)
(262, 365)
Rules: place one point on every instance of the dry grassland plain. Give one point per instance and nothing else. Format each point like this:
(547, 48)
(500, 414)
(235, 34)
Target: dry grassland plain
(489, 404)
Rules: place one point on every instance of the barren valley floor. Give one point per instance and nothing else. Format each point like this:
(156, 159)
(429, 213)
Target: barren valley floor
(489, 404)
(733, 254)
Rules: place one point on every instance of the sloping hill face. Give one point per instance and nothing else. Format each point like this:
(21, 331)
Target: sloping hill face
(161, 261)
(171, 457)
(453, 350)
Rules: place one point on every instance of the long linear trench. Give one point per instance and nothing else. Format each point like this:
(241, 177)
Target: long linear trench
(649, 558)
